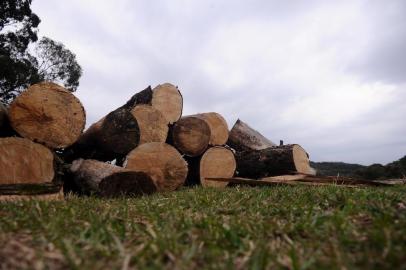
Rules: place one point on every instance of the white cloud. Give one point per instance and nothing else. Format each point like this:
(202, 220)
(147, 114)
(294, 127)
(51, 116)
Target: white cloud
(294, 71)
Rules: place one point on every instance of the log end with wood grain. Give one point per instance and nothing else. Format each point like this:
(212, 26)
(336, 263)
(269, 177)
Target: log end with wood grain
(25, 162)
(243, 137)
(216, 162)
(191, 135)
(162, 162)
(49, 114)
(96, 177)
(218, 127)
(277, 160)
(167, 99)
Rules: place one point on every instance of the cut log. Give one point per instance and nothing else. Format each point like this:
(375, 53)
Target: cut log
(162, 162)
(243, 137)
(49, 114)
(95, 177)
(122, 130)
(25, 162)
(216, 162)
(278, 160)
(191, 135)
(152, 124)
(218, 127)
(168, 99)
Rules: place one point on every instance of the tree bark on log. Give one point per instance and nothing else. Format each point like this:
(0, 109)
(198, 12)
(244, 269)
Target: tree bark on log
(218, 127)
(216, 162)
(162, 162)
(191, 135)
(95, 177)
(49, 114)
(123, 129)
(25, 162)
(272, 161)
(242, 137)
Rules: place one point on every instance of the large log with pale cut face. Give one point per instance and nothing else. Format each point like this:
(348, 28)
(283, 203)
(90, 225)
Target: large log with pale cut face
(49, 114)
(25, 162)
(162, 162)
(216, 162)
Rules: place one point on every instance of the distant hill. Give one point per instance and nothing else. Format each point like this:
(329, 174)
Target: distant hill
(335, 168)
(396, 169)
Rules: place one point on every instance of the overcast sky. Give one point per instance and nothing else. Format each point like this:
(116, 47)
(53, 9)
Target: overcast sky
(329, 75)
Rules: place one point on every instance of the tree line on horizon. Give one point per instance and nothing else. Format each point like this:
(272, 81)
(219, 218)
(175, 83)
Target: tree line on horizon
(395, 169)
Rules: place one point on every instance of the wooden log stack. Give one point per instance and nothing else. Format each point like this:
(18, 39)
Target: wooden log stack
(154, 148)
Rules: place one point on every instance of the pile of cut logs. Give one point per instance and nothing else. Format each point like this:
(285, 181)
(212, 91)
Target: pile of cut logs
(142, 147)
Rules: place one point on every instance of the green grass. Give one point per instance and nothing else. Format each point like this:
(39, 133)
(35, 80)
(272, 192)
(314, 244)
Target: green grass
(235, 228)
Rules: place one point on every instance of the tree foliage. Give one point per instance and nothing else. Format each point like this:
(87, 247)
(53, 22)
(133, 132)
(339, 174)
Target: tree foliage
(23, 59)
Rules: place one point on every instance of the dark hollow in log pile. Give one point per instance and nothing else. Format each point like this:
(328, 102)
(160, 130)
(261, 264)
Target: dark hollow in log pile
(95, 177)
(242, 137)
(162, 162)
(49, 114)
(278, 160)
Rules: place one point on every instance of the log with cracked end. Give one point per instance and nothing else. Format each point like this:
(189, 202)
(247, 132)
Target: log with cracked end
(49, 114)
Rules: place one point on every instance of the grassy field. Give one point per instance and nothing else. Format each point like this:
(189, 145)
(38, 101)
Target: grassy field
(235, 228)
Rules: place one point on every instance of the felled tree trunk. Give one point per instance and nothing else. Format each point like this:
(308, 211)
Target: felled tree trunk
(49, 114)
(191, 135)
(218, 127)
(25, 162)
(144, 118)
(242, 137)
(95, 177)
(216, 162)
(162, 162)
(278, 160)
(167, 99)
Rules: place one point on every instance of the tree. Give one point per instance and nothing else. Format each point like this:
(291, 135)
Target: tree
(20, 65)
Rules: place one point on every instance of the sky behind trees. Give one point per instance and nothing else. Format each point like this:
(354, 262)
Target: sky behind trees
(329, 75)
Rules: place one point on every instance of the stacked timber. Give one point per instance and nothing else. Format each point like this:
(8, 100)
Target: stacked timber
(44, 118)
(142, 119)
(141, 147)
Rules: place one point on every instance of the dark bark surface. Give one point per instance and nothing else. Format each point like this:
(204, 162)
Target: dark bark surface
(127, 184)
(113, 136)
(271, 161)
